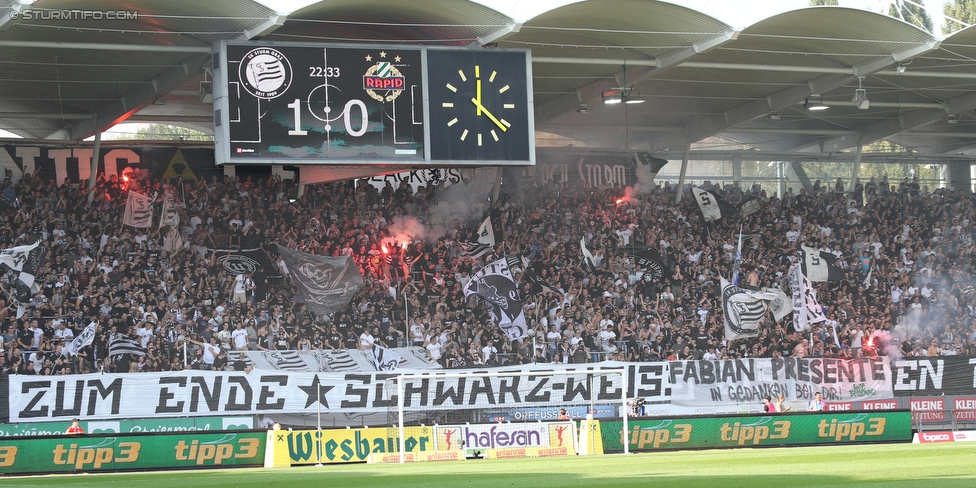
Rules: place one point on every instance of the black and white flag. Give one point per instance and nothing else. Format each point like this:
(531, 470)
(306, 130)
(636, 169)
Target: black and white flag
(819, 265)
(743, 311)
(25, 262)
(486, 241)
(171, 215)
(121, 344)
(173, 240)
(587, 256)
(517, 263)
(138, 210)
(538, 284)
(646, 168)
(475, 249)
(750, 207)
(290, 360)
(385, 359)
(496, 288)
(80, 341)
(806, 309)
(652, 261)
(326, 283)
(712, 206)
(779, 303)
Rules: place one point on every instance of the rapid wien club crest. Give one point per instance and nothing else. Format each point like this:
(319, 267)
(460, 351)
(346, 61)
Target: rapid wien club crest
(382, 81)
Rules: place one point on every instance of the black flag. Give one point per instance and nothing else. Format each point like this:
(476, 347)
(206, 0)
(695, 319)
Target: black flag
(538, 284)
(326, 283)
(494, 285)
(651, 260)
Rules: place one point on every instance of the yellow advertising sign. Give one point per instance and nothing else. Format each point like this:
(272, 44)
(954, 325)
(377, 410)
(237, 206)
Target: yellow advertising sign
(349, 445)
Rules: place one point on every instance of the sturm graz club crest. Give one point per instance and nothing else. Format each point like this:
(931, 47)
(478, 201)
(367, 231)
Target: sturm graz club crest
(742, 313)
(239, 264)
(265, 73)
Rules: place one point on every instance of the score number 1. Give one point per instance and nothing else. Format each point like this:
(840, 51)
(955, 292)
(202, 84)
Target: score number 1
(296, 107)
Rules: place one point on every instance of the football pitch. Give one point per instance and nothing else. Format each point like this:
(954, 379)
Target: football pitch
(937, 465)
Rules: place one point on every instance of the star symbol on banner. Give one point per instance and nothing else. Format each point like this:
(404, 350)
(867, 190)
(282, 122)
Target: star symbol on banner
(396, 59)
(311, 391)
(369, 58)
(382, 54)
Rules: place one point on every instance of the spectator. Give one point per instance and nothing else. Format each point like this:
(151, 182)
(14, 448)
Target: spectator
(906, 257)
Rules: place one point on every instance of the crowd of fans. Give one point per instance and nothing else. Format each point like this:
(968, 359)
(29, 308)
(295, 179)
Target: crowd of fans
(907, 254)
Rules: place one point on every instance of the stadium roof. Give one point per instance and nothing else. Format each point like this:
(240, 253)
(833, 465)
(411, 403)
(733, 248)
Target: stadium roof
(63, 79)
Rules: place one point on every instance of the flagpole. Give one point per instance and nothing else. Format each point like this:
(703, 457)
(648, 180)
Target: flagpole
(737, 265)
(318, 424)
(406, 316)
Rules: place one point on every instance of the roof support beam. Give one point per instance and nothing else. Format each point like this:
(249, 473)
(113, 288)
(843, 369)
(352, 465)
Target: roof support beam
(7, 19)
(133, 101)
(268, 26)
(96, 46)
(51, 116)
(650, 68)
(712, 124)
(908, 121)
(165, 81)
(497, 35)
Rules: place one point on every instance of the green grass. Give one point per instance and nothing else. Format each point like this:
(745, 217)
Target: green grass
(914, 465)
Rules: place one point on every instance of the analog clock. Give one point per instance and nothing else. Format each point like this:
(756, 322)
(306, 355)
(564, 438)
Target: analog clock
(479, 105)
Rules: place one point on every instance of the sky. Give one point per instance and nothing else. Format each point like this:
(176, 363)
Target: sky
(736, 13)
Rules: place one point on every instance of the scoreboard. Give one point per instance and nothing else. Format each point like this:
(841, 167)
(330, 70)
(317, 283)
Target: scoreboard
(321, 104)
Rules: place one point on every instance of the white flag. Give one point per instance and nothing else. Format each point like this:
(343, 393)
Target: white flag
(779, 304)
(171, 215)
(385, 359)
(81, 340)
(138, 210)
(486, 233)
(173, 240)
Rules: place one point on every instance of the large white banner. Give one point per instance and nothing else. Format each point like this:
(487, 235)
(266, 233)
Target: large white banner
(701, 386)
(746, 381)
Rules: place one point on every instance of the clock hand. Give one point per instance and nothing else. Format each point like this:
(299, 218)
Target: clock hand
(488, 114)
(478, 97)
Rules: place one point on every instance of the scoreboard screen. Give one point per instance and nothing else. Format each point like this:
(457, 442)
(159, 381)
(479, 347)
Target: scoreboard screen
(308, 103)
(321, 104)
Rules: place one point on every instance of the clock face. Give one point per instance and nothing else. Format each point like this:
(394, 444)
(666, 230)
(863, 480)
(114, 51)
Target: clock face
(479, 105)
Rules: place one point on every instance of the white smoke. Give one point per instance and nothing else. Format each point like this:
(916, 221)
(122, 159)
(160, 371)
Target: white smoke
(459, 202)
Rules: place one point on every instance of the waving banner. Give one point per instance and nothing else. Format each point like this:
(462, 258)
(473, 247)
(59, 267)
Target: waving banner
(25, 261)
(806, 309)
(326, 283)
(138, 210)
(743, 311)
(496, 288)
